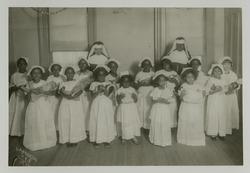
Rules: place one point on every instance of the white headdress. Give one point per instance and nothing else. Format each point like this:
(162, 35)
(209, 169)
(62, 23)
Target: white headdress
(180, 41)
(224, 59)
(51, 65)
(26, 59)
(85, 59)
(34, 67)
(167, 57)
(146, 58)
(124, 73)
(112, 60)
(102, 66)
(98, 45)
(158, 73)
(213, 66)
(185, 69)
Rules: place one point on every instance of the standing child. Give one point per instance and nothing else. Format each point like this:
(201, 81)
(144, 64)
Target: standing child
(57, 79)
(160, 127)
(84, 77)
(40, 132)
(216, 107)
(101, 125)
(232, 84)
(71, 117)
(18, 101)
(172, 83)
(127, 112)
(113, 78)
(98, 54)
(143, 80)
(191, 123)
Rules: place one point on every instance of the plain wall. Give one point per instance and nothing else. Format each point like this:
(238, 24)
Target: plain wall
(23, 36)
(128, 34)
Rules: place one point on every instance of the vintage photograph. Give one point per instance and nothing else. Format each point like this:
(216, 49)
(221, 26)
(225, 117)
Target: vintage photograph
(125, 86)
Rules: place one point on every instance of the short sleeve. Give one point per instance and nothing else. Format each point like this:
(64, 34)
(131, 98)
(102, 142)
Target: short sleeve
(93, 86)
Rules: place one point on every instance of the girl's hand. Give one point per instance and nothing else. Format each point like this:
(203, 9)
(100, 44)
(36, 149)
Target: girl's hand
(162, 100)
(134, 97)
(213, 87)
(62, 90)
(36, 91)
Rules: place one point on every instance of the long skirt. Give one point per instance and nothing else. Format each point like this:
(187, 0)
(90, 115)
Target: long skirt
(191, 124)
(101, 124)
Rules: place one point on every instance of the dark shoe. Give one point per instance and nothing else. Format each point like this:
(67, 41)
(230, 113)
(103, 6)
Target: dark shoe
(222, 138)
(123, 141)
(96, 145)
(107, 145)
(135, 141)
(214, 138)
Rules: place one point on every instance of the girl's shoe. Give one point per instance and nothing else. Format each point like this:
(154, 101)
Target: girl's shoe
(123, 141)
(214, 138)
(135, 141)
(222, 138)
(96, 145)
(107, 145)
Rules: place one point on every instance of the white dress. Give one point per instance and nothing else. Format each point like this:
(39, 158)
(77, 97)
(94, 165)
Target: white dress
(216, 109)
(179, 57)
(40, 132)
(173, 106)
(127, 114)
(55, 101)
(101, 125)
(71, 117)
(85, 79)
(160, 116)
(232, 106)
(191, 121)
(17, 105)
(144, 100)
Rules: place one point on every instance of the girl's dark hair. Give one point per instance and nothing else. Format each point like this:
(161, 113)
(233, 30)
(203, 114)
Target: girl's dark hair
(184, 74)
(193, 61)
(166, 61)
(155, 81)
(68, 69)
(145, 61)
(218, 68)
(57, 65)
(96, 72)
(19, 61)
(36, 69)
(124, 77)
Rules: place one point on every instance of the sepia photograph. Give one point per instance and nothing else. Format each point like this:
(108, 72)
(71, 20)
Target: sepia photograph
(130, 86)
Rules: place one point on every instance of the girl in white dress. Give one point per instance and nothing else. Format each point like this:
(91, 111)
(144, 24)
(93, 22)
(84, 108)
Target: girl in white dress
(127, 111)
(56, 78)
(84, 77)
(201, 78)
(40, 132)
(71, 117)
(113, 78)
(18, 101)
(216, 107)
(232, 106)
(143, 80)
(102, 124)
(160, 115)
(173, 82)
(98, 54)
(191, 124)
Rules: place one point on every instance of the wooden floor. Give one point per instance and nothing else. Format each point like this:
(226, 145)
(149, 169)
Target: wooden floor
(228, 152)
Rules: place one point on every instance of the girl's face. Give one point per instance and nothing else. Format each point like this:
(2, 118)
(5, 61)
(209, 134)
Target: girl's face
(113, 67)
(22, 65)
(227, 65)
(36, 74)
(179, 47)
(190, 78)
(217, 72)
(125, 82)
(70, 73)
(162, 81)
(195, 64)
(98, 51)
(101, 76)
(146, 65)
(55, 69)
(83, 65)
(166, 66)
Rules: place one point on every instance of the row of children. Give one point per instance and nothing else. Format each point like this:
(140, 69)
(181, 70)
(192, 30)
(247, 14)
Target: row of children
(107, 104)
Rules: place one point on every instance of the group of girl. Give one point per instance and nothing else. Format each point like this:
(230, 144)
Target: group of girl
(93, 100)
